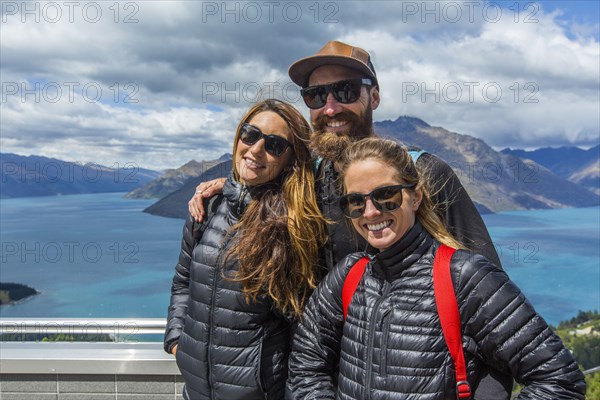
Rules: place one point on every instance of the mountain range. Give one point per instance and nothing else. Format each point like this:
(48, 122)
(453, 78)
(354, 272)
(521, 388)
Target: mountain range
(27, 176)
(572, 163)
(173, 179)
(496, 181)
(174, 204)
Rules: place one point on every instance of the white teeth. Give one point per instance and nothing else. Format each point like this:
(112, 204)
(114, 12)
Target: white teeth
(336, 124)
(379, 226)
(252, 163)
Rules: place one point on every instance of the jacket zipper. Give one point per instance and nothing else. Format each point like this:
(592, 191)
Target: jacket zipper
(211, 318)
(240, 201)
(385, 321)
(371, 339)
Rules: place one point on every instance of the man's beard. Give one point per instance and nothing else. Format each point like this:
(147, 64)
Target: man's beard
(332, 145)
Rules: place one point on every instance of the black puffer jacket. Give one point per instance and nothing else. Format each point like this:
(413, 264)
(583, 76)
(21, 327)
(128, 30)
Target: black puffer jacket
(391, 345)
(228, 348)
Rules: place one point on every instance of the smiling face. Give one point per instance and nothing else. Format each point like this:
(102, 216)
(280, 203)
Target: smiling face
(335, 125)
(254, 165)
(380, 229)
(353, 119)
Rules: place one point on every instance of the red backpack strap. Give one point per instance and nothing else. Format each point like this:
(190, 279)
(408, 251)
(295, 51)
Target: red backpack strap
(445, 300)
(351, 282)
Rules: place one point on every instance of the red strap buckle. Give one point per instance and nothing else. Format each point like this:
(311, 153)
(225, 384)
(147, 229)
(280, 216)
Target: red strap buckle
(463, 390)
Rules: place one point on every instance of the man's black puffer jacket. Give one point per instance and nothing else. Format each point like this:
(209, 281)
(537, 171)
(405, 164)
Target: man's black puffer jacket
(228, 348)
(391, 345)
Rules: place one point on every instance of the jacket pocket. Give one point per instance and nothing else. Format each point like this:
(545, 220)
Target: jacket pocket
(258, 373)
(274, 352)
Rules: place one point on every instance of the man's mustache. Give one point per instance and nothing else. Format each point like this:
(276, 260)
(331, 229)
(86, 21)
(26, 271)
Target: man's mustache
(320, 124)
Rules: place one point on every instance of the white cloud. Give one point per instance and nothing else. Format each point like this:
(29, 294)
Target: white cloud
(190, 71)
(512, 84)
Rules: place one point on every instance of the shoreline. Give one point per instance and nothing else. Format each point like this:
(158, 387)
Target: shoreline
(15, 293)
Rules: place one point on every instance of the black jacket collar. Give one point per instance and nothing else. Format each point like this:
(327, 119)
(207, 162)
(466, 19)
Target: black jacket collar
(390, 264)
(238, 195)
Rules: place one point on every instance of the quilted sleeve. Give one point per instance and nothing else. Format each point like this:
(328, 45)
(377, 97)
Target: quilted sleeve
(511, 335)
(180, 287)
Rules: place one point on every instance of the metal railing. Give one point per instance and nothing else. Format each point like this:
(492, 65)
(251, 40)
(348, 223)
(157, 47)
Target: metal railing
(119, 329)
(592, 370)
(125, 354)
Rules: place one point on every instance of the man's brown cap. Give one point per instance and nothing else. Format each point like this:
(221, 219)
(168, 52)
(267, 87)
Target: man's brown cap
(333, 53)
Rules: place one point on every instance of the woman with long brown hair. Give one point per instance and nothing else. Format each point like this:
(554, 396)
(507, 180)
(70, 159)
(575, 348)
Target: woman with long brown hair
(239, 286)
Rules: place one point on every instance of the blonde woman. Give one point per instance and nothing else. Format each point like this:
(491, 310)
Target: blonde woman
(390, 344)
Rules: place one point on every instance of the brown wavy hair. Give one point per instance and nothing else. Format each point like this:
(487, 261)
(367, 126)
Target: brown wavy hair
(282, 229)
(394, 155)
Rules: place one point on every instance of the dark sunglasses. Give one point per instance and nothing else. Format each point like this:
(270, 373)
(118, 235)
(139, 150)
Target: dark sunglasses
(274, 145)
(346, 92)
(385, 199)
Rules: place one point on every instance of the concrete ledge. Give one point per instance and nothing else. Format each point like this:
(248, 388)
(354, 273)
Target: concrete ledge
(90, 387)
(144, 358)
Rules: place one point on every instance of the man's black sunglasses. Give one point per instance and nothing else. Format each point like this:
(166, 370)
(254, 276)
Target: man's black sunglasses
(385, 199)
(346, 92)
(274, 145)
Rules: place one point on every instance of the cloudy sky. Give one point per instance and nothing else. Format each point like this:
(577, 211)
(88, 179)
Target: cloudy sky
(158, 83)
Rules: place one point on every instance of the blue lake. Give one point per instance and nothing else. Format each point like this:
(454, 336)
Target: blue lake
(98, 255)
(554, 257)
(91, 255)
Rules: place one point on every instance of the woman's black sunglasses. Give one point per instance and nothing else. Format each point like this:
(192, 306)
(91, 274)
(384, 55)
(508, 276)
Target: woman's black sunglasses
(274, 145)
(346, 92)
(385, 199)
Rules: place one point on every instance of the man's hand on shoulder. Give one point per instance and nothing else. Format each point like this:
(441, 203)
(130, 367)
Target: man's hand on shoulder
(204, 190)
